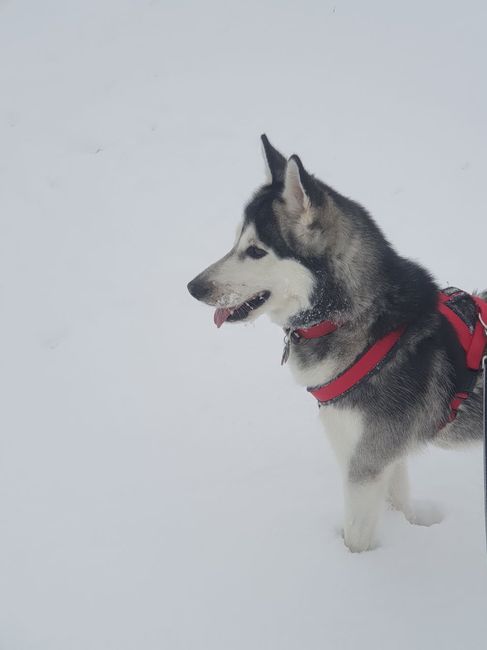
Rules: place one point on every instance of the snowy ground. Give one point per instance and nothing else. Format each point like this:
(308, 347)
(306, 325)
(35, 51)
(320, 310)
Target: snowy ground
(164, 485)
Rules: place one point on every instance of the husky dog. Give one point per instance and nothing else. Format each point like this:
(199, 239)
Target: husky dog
(304, 254)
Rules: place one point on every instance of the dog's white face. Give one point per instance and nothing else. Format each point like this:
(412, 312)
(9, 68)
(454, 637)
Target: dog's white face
(252, 280)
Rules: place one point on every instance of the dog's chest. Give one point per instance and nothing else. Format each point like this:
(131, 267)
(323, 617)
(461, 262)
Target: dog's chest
(343, 425)
(312, 373)
(344, 428)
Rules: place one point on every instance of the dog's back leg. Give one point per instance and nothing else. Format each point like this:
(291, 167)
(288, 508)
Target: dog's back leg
(398, 494)
(421, 513)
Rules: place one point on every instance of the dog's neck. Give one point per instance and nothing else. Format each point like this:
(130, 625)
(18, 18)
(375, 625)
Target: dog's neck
(394, 291)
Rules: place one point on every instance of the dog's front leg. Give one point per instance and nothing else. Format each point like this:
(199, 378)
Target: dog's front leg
(365, 475)
(364, 501)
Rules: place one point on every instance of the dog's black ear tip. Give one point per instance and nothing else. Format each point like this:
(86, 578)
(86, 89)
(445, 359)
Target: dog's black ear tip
(275, 161)
(296, 159)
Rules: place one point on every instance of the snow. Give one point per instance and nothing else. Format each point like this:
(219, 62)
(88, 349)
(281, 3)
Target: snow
(164, 484)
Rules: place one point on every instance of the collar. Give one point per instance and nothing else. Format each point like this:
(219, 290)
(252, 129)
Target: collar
(313, 332)
(316, 331)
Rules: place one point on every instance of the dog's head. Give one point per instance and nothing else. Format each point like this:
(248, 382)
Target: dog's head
(287, 257)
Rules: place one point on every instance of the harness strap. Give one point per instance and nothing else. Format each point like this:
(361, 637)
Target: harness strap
(471, 336)
(473, 344)
(361, 368)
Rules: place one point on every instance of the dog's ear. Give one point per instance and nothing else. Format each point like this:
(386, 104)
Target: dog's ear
(274, 161)
(300, 191)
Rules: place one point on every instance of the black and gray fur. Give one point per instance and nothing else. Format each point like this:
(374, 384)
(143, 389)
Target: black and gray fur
(363, 284)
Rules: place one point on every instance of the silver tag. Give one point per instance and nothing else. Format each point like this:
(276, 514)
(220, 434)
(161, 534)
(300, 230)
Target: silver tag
(287, 347)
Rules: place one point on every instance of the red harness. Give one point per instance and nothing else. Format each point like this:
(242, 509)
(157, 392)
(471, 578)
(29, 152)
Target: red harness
(469, 326)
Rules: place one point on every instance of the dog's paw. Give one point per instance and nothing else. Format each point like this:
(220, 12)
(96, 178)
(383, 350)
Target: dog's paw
(360, 546)
(358, 541)
(353, 548)
(425, 513)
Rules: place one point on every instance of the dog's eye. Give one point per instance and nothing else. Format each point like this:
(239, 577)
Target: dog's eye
(255, 253)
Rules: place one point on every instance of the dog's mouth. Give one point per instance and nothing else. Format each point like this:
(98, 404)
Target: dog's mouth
(240, 312)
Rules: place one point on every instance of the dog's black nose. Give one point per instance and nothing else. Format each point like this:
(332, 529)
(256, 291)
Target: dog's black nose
(198, 289)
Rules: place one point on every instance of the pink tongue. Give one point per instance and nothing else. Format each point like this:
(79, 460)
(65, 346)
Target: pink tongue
(221, 315)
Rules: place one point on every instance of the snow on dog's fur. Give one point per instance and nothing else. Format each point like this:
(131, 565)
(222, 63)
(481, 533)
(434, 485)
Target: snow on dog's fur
(304, 253)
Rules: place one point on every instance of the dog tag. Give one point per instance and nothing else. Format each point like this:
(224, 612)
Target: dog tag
(287, 347)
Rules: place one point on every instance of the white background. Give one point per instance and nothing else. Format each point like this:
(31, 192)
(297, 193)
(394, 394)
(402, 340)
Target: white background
(164, 485)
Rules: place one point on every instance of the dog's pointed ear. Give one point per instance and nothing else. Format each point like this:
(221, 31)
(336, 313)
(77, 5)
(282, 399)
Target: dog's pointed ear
(299, 186)
(274, 161)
